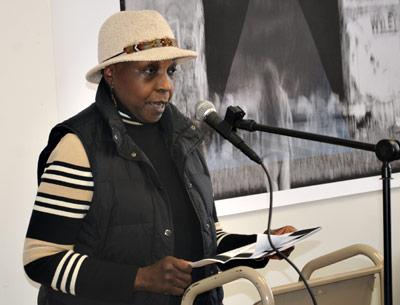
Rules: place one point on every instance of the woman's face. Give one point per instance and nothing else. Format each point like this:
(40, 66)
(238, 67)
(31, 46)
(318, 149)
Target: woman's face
(143, 87)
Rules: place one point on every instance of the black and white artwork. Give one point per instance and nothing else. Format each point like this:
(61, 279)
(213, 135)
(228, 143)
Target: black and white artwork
(326, 67)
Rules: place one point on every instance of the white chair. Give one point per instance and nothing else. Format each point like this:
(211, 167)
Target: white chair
(230, 275)
(346, 288)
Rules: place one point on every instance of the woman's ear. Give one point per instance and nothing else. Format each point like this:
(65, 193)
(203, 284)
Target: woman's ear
(108, 75)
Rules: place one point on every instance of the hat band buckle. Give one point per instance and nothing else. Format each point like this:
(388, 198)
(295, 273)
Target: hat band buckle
(146, 45)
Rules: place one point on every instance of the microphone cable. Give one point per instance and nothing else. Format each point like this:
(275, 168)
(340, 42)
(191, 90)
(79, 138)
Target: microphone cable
(205, 109)
(314, 301)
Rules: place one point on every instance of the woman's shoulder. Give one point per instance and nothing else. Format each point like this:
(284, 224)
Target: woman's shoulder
(82, 126)
(70, 150)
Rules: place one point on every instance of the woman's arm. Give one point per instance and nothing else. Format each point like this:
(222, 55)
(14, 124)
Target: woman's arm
(63, 199)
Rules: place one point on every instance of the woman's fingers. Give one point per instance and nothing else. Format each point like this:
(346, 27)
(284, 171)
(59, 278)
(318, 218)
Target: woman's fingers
(169, 275)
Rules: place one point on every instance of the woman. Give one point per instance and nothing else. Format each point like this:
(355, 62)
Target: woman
(125, 200)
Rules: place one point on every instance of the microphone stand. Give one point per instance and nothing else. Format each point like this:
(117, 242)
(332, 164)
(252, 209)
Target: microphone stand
(386, 150)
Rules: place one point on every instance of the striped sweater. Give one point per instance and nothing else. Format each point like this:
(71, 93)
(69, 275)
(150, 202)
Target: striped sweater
(63, 199)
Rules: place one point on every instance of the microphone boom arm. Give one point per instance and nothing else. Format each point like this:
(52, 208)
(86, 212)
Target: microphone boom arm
(386, 150)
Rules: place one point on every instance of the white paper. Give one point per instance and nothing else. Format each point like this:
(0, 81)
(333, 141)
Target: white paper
(261, 248)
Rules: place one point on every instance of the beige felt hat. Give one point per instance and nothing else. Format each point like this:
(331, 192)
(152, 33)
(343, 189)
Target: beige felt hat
(136, 36)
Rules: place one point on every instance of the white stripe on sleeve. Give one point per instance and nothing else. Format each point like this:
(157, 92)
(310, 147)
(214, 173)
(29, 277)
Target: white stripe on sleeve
(68, 170)
(58, 270)
(63, 203)
(75, 274)
(58, 212)
(67, 179)
(66, 272)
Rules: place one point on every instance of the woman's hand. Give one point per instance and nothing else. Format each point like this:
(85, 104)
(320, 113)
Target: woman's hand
(169, 275)
(280, 231)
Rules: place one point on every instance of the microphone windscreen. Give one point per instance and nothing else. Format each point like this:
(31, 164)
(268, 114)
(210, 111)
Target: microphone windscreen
(203, 108)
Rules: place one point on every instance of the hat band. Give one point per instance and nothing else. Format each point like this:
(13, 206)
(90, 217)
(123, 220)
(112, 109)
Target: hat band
(146, 45)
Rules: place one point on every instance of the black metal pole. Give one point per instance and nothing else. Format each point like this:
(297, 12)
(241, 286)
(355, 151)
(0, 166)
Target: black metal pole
(122, 5)
(387, 234)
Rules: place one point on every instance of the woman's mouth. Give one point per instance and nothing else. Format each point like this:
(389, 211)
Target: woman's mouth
(157, 106)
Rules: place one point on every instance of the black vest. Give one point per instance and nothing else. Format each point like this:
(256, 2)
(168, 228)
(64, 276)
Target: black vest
(129, 219)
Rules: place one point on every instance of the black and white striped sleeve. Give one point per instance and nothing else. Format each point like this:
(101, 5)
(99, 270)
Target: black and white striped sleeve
(63, 199)
(68, 175)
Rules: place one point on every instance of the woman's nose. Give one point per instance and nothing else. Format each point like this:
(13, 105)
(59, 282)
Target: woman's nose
(165, 83)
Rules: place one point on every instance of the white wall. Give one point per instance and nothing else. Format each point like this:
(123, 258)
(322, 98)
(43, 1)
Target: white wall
(32, 50)
(28, 110)
(75, 27)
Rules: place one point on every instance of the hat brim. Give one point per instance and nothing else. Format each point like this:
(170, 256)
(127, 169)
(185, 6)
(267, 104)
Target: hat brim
(154, 54)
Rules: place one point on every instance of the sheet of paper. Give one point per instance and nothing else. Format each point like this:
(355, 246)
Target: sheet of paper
(261, 248)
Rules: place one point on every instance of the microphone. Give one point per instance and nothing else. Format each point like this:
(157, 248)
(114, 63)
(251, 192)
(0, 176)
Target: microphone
(205, 111)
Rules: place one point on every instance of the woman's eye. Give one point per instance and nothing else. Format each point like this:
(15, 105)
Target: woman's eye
(150, 70)
(172, 71)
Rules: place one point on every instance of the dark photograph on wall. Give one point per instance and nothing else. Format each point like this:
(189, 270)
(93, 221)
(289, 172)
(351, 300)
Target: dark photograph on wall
(292, 64)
